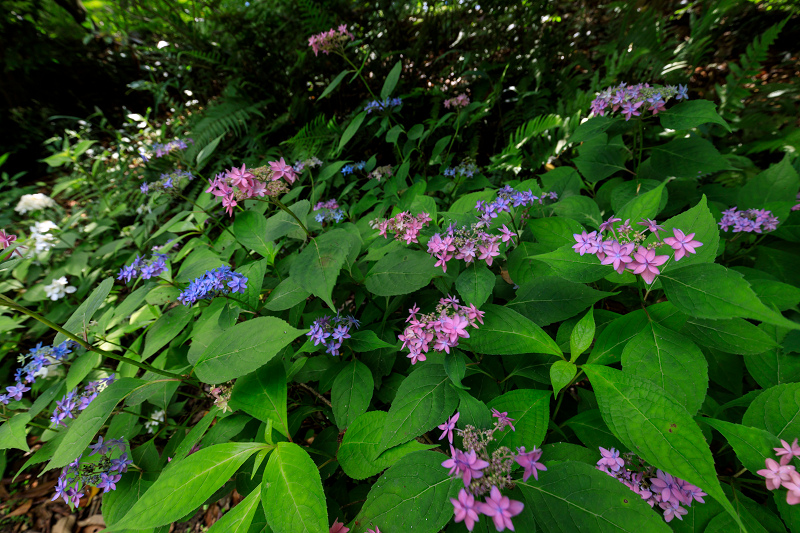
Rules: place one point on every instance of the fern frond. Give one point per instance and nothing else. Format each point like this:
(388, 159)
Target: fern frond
(311, 138)
(230, 114)
(533, 133)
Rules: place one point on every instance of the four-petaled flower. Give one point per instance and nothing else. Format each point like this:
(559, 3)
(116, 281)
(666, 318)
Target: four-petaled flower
(611, 459)
(786, 452)
(682, 244)
(503, 419)
(448, 427)
(530, 462)
(501, 509)
(465, 509)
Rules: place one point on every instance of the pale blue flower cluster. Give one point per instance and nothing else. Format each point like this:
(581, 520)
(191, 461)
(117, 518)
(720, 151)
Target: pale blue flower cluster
(33, 365)
(213, 283)
(104, 474)
(383, 105)
(331, 331)
(146, 269)
(72, 401)
(349, 169)
(167, 182)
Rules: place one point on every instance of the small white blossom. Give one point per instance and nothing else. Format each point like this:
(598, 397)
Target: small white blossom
(33, 202)
(42, 239)
(58, 288)
(156, 418)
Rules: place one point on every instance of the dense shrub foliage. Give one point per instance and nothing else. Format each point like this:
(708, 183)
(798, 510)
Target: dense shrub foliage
(441, 300)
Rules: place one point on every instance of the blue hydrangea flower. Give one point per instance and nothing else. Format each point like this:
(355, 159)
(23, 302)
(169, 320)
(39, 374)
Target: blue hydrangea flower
(213, 283)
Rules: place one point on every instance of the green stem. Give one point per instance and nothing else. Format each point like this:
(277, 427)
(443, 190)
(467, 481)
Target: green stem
(283, 207)
(458, 125)
(360, 76)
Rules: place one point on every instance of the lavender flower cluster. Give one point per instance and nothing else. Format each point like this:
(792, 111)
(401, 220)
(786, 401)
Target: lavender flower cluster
(301, 165)
(405, 226)
(329, 211)
(442, 328)
(382, 105)
(631, 97)
(171, 182)
(349, 169)
(104, 474)
(239, 184)
(625, 250)
(467, 168)
(506, 199)
(331, 331)
(484, 473)
(783, 474)
(213, 283)
(384, 172)
(161, 150)
(748, 221)
(468, 244)
(32, 365)
(652, 485)
(329, 41)
(457, 102)
(72, 401)
(144, 269)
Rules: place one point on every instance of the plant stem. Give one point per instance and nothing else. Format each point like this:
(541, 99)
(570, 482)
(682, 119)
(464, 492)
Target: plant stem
(282, 206)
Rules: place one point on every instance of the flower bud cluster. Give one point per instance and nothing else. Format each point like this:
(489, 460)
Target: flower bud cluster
(221, 395)
(213, 283)
(467, 244)
(383, 105)
(160, 150)
(349, 169)
(506, 199)
(329, 41)
(654, 486)
(784, 474)
(152, 268)
(457, 102)
(72, 401)
(624, 249)
(633, 97)
(104, 474)
(384, 172)
(332, 331)
(34, 364)
(748, 221)
(466, 169)
(439, 330)
(328, 211)
(239, 184)
(171, 183)
(405, 226)
(301, 165)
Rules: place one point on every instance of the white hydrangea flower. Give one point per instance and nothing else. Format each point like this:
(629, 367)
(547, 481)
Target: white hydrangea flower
(156, 418)
(34, 202)
(42, 239)
(58, 288)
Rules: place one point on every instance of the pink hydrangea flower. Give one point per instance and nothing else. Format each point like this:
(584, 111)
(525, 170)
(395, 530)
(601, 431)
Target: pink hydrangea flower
(776, 473)
(646, 262)
(465, 509)
(448, 427)
(786, 452)
(682, 244)
(501, 509)
(530, 462)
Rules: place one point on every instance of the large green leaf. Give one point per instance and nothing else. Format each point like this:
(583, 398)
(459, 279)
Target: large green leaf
(240, 517)
(530, 409)
(779, 183)
(612, 340)
(292, 492)
(244, 348)
(250, 229)
(263, 395)
(575, 497)
(475, 284)
(599, 158)
(424, 400)
(80, 319)
(286, 295)
(318, 265)
(552, 299)
(13, 432)
(554, 232)
(655, 427)
(701, 222)
(687, 157)
(351, 393)
(282, 223)
(753, 446)
(352, 129)
(360, 452)
(734, 335)
(644, 205)
(592, 128)
(690, 114)
(776, 410)
(506, 332)
(391, 80)
(166, 328)
(570, 265)
(413, 495)
(185, 485)
(400, 272)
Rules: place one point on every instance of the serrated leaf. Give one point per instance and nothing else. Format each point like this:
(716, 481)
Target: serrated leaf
(686, 158)
(779, 183)
(690, 114)
(317, 267)
(561, 374)
(592, 128)
(475, 284)
(553, 299)
(263, 395)
(733, 335)
(351, 393)
(610, 343)
(13, 434)
(286, 295)
(530, 409)
(506, 332)
(250, 229)
(752, 445)
(282, 223)
(701, 222)
(400, 272)
(644, 205)
(776, 410)
(571, 266)
(83, 315)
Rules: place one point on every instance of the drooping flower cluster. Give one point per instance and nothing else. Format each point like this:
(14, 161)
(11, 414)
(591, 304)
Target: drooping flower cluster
(439, 330)
(301, 165)
(104, 474)
(634, 99)
(239, 184)
(782, 474)
(748, 221)
(468, 244)
(34, 364)
(329, 211)
(332, 331)
(33, 202)
(329, 41)
(58, 288)
(213, 283)
(41, 238)
(384, 172)
(405, 226)
(624, 248)
(72, 401)
(152, 268)
(349, 169)
(654, 486)
(467, 168)
(457, 102)
(483, 473)
(506, 199)
(172, 182)
(383, 105)
(161, 150)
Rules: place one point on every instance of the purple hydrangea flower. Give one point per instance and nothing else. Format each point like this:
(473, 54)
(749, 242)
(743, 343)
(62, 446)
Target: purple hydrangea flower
(501, 509)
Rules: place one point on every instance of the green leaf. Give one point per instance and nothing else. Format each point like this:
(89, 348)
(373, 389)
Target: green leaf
(391, 80)
(530, 409)
(352, 129)
(424, 400)
(561, 374)
(600, 158)
(572, 266)
(610, 343)
(779, 183)
(335, 83)
(575, 497)
(286, 295)
(250, 229)
(81, 367)
(80, 319)
(552, 299)
(671, 361)
(318, 266)
(186, 485)
(776, 365)
(752, 445)
(778, 294)
(690, 114)
(593, 431)
(415, 133)
(701, 222)
(581, 336)
(554, 232)
(506, 332)
(360, 452)
(366, 341)
(282, 223)
(207, 150)
(776, 410)
(686, 158)
(244, 348)
(641, 206)
(166, 328)
(400, 272)
(351, 393)
(713, 291)
(475, 284)
(592, 128)
(582, 209)
(292, 492)
(734, 335)
(263, 394)
(13, 433)
(656, 427)
(240, 517)
(195, 434)
(413, 495)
